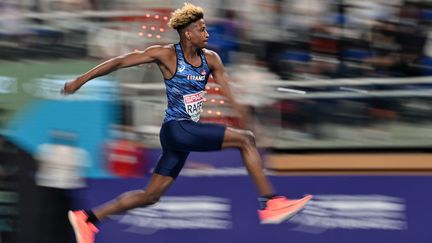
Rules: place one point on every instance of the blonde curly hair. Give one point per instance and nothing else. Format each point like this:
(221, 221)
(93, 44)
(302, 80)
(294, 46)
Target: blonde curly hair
(182, 17)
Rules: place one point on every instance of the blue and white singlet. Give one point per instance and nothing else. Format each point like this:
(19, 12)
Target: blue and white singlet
(186, 89)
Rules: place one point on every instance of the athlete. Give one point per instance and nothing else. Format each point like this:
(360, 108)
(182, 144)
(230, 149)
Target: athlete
(186, 67)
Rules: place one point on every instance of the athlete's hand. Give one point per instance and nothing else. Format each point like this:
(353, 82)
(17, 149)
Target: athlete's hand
(70, 88)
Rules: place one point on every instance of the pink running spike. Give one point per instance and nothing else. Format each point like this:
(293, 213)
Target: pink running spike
(280, 209)
(84, 231)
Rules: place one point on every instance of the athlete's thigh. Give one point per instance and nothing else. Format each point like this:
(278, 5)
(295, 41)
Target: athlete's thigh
(200, 137)
(171, 163)
(234, 137)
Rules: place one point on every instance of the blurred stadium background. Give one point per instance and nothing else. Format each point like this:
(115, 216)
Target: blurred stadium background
(340, 93)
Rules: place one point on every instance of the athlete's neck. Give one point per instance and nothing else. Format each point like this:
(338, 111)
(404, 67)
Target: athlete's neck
(189, 51)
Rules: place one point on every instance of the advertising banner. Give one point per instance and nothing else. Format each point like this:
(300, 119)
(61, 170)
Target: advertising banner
(215, 209)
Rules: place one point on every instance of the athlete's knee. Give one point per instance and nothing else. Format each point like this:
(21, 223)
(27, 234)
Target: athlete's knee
(151, 198)
(138, 198)
(248, 139)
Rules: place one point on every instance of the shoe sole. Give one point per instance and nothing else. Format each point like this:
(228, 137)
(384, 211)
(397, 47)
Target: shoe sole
(72, 220)
(288, 216)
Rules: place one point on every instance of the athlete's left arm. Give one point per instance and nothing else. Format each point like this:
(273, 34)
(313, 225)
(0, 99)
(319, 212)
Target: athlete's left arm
(217, 67)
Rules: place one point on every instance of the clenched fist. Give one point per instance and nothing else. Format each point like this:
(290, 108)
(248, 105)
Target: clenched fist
(70, 87)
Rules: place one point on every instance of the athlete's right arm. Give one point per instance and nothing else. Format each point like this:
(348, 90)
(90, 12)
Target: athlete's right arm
(149, 55)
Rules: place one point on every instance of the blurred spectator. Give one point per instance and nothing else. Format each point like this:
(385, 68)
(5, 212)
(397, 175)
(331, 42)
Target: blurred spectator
(68, 5)
(250, 77)
(12, 160)
(225, 34)
(13, 28)
(59, 175)
(61, 163)
(126, 156)
(385, 58)
(411, 37)
(397, 47)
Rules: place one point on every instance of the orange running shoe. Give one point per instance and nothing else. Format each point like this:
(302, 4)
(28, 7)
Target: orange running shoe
(280, 209)
(84, 231)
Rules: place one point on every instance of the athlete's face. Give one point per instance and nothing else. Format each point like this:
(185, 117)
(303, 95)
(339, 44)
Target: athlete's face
(197, 34)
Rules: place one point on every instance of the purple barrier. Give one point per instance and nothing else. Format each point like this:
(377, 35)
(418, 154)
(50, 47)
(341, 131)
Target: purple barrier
(216, 209)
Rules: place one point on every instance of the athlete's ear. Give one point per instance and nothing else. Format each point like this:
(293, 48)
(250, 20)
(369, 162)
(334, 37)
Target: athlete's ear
(188, 35)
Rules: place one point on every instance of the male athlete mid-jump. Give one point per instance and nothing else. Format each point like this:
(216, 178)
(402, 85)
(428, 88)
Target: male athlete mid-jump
(186, 67)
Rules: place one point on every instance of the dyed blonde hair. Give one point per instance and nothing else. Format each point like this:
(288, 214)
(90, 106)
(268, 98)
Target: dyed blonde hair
(182, 17)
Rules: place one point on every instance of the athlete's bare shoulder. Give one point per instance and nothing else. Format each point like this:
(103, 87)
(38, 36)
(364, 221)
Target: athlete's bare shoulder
(209, 53)
(212, 57)
(161, 51)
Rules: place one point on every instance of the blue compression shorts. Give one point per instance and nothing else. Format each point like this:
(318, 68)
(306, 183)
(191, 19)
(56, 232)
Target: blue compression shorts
(178, 138)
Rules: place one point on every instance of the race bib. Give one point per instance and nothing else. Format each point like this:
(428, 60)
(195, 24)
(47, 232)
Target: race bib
(193, 104)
